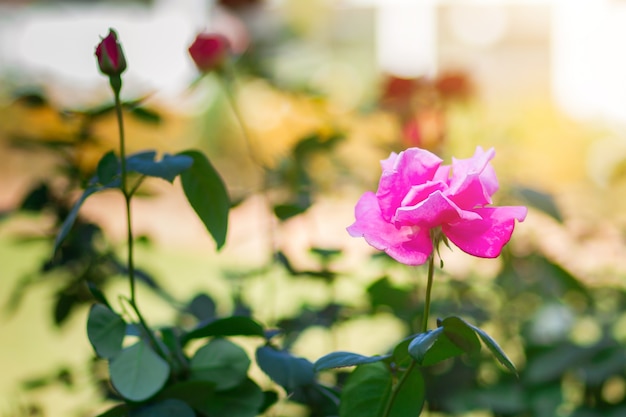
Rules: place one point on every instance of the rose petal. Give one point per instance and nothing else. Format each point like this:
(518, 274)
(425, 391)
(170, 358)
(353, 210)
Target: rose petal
(419, 193)
(408, 245)
(473, 180)
(486, 237)
(434, 211)
(411, 167)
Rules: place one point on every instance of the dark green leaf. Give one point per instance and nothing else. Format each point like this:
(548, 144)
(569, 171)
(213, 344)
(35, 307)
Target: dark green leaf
(168, 168)
(138, 373)
(401, 354)
(207, 194)
(167, 408)
(423, 342)
(71, 217)
(343, 359)
(287, 211)
(202, 307)
(97, 294)
(230, 326)
(221, 362)
(366, 391)
(105, 330)
(285, 369)
(461, 334)
(147, 115)
(495, 349)
(410, 398)
(194, 393)
(244, 400)
(270, 398)
(541, 201)
(65, 302)
(433, 347)
(36, 199)
(108, 168)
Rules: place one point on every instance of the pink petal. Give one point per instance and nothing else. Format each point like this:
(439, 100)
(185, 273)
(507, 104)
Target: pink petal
(434, 211)
(413, 166)
(486, 237)
(418, 193)
(473, 180)
(408, 245)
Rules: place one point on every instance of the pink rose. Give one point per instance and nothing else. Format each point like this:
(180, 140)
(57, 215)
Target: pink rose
(110, 56)
(417, 194)
(209, 51)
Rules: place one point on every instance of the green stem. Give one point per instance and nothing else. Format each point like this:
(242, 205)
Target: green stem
(429, 287)
(129, 230)
(226, 78)
(413, 364)
(226, 86)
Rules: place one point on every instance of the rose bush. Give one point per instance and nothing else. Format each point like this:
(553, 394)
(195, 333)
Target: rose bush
(209, 51)
(417, 198)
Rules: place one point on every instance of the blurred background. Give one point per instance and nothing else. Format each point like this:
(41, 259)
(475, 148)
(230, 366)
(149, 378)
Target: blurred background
(326, 89)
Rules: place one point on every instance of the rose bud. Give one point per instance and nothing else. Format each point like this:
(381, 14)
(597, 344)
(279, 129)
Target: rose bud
(111, 60)
(209, 51)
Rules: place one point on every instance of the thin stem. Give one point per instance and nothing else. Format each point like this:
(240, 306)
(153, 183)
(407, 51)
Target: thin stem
(226, 79)
(413, 364)
(226, 86)
(429, 287)
(127, 196)
(397, 388)
(129, 229)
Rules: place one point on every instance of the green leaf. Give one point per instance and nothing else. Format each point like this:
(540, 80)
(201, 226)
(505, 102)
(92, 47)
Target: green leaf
(286, 211)
(423, 342)
(495, 349)
(97, 294)
(194, 393)
(244, 400)
(411, 396)
(105, 330)
(167, 408)
(168, 168)
(462, 334)
(366, 391)
(433, 347)
(120, 410)
(230, 326)
(285, 369)
(400, 353)
(138, 373)
(207, 194)
(108, 168)
(541, 201)
(221, 362)
(71, 217)
(343, 359)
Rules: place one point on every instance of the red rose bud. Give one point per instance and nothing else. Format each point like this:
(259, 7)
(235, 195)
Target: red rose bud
(209, 51)
(110, 56)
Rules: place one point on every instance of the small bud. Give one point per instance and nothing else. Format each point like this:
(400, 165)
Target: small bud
(209, 51)
(111, 60)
